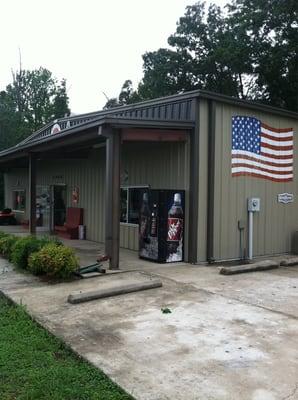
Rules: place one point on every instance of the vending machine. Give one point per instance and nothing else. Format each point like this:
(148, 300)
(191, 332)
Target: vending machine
(161, 225)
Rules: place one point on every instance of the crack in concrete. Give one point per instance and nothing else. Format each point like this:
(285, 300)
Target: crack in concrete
(256, 305)
(292, 393)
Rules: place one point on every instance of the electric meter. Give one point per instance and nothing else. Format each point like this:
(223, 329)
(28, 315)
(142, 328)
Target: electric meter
(253, 204)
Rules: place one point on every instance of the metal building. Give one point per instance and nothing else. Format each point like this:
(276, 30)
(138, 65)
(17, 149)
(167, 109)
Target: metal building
(188, 141)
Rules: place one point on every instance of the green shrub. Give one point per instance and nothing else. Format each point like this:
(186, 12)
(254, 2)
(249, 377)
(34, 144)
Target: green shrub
(53, 260)
(26, 246)
(3, 234)
(7, 243)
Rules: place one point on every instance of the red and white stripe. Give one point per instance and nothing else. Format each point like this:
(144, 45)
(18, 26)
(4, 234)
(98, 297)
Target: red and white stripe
(275, 161)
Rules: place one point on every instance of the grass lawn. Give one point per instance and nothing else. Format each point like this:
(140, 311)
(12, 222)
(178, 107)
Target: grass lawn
(36, 365)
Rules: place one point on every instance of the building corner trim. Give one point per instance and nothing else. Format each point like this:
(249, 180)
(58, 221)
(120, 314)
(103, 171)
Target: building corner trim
(194, 187)
(211, 180)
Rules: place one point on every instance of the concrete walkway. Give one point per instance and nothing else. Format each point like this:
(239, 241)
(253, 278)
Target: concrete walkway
(227, 337)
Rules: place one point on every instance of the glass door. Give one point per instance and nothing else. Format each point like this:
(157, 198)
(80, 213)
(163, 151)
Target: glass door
(43, 207)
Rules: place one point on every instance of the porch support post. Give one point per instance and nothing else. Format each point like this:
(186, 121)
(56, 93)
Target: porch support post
(112, 221)
(32, 193)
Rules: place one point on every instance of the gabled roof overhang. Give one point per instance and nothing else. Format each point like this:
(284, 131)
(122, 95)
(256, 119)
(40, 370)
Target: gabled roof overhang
(89, 132)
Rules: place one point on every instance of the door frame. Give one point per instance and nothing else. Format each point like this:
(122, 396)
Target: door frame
(52, 203)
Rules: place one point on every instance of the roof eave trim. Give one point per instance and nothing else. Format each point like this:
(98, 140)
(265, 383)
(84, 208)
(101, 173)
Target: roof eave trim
(114, 122)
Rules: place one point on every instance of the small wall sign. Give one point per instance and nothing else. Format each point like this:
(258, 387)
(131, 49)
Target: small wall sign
(124, 177)
(75, 195)
(55, 129)
(285, 198)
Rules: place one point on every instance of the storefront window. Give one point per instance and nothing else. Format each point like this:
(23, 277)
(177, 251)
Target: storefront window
(19, 200)
(130, 201)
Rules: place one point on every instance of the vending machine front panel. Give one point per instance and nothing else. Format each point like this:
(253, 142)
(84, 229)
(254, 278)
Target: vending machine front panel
(148, 226)
(161, 225)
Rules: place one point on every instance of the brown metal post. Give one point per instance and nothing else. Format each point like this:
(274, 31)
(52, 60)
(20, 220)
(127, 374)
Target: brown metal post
(108, 196)
(112, 222)
(32, 194)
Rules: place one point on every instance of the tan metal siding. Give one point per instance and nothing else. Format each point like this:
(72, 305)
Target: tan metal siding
(276, 222)
(89, 176)
(129, 237)
(160, 165)
(16, 179)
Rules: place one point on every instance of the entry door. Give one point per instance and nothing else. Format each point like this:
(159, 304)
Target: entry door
(43, 207)
(58, 205)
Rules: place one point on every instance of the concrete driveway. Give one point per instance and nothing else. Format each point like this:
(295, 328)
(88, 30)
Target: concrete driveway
(228, 337)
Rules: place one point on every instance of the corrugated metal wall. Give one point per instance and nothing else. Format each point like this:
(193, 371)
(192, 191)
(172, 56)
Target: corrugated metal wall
(16, 179)
(275, 223)
(160, 165)
(89, 176)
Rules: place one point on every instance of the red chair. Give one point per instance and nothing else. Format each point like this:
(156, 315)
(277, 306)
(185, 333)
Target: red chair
(7, 217)
(70, 229)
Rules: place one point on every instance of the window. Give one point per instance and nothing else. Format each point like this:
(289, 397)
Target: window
(130, 202)
(19, 200)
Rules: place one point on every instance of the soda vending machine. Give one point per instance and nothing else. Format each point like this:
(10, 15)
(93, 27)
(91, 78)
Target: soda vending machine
(161, 225)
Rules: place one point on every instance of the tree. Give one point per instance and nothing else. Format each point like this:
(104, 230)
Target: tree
(249, 52)
(165, 72)
(127, 96)
(30, 101)
(9, 121)
(33, 99)
(273, 33)
(207, 52)
(37, 98)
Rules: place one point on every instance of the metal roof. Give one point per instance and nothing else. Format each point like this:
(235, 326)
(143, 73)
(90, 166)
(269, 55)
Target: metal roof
(82, 118)
(136, 114)
(204, 94)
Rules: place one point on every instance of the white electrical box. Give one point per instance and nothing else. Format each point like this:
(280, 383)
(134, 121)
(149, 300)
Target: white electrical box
(253, 204)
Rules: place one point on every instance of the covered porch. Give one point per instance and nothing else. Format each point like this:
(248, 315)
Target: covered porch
(87, 251)
(111, 139)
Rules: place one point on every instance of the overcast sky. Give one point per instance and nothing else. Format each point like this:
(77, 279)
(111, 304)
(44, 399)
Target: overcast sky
(95, 44)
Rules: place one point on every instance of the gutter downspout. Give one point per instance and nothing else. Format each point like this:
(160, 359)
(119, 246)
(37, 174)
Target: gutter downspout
(211, 181)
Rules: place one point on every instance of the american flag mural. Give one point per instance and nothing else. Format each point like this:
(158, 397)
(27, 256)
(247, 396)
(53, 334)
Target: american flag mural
(261, 151)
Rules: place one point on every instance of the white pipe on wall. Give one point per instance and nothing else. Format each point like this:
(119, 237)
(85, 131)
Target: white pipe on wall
(250, 234)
